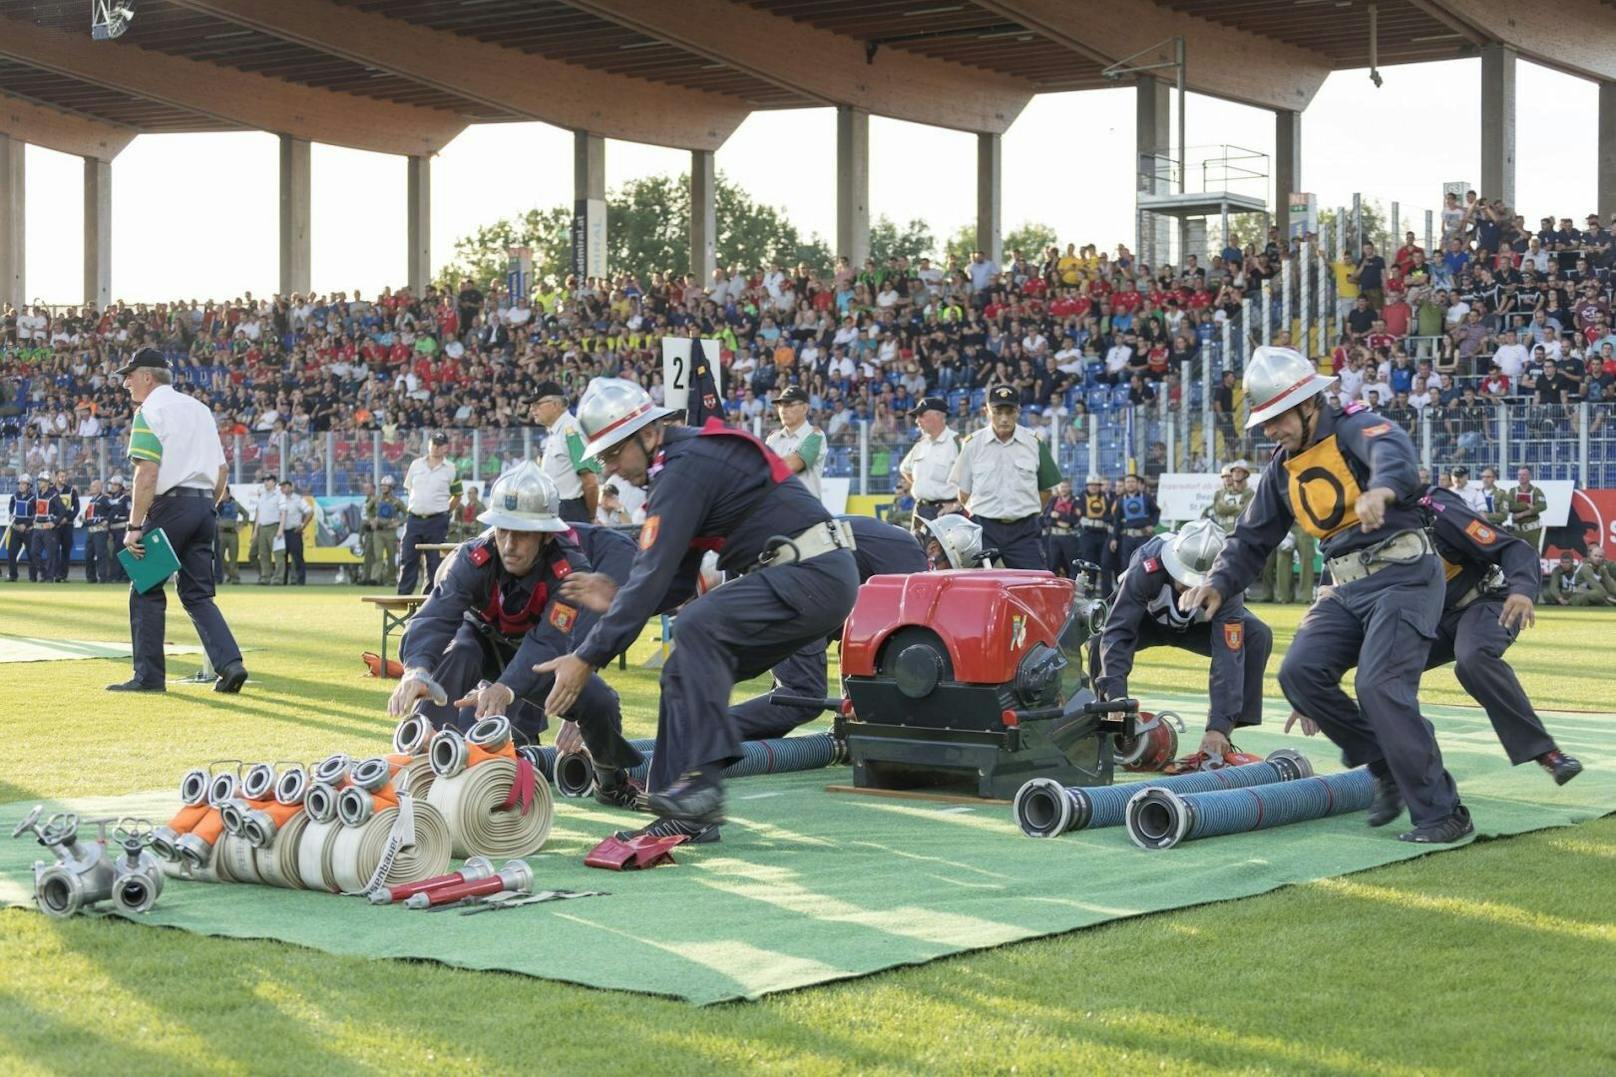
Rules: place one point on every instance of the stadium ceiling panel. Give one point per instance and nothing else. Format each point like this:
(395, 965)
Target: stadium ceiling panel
(99, 102)
(1407, 31)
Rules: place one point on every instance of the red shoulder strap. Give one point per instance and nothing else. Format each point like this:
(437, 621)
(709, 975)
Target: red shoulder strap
(779, 470)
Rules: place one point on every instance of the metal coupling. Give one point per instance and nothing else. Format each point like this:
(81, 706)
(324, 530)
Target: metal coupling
(448, 753)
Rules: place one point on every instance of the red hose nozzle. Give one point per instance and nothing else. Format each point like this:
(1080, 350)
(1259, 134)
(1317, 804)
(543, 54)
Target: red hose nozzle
(515, 876)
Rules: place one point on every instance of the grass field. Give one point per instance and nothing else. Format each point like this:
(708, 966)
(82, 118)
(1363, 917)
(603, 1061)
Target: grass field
(1494, 959)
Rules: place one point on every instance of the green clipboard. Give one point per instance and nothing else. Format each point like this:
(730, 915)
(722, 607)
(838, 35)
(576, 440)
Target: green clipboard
(157, 566)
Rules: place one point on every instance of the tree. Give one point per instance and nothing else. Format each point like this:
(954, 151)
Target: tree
(960, 244)
(1375, 224)
(1032, 239)
(647, 231)
(911, 241)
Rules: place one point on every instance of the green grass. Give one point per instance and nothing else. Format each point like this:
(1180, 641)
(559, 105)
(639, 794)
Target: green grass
(1494, 959)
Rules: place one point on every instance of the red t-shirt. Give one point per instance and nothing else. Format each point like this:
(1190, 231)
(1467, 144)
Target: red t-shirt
(1396, 316)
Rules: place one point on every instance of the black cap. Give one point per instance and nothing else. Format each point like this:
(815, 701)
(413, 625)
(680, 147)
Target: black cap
(791, 394)
(1001, 395)
(929, 403)
(549, 388)
(440, 438)
(145, 359)
(1459, 469)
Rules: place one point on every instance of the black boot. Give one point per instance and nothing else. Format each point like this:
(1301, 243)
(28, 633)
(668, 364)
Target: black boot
(697, 797)
(1560, 766)
(1388, 802)
(231, 678)
(1444, 831)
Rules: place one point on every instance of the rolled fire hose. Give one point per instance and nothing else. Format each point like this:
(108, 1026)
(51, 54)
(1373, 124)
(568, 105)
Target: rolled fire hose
(194, 797)
(278, 862)
(1161, 818)
(196, 847)
(234, 860)
(474, 791)
(357, 852)
(412, 772)
(314, 846)
(1046, 809)
(575, 774)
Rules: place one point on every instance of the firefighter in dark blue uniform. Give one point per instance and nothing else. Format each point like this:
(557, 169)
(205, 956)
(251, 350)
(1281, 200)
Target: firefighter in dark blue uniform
(493, 614)
(1492, 585)
(117, 525)
(1134, 516)
(1351, 479)
(42, 536)
(21, 527)
(67, 512)
(1094, 526)
(882, 550)
(1145, 613)
(713, 488)
(97, 556)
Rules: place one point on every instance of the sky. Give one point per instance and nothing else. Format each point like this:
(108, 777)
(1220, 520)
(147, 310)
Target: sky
(195, 216)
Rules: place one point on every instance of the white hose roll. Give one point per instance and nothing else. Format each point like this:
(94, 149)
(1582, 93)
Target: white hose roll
(234, 857)
(314, 856)
(469, 803)
(277, 865)
(415, 777)
(357, 850)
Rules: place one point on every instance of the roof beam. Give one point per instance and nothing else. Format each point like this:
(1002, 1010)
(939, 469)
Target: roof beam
(64, 132)
(233, 96)
(1573, 36)
(528, 86)
(826, 67)
(1219, 60)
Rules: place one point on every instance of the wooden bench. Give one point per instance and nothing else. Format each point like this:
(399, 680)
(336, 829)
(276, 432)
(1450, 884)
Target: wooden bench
(396, 610)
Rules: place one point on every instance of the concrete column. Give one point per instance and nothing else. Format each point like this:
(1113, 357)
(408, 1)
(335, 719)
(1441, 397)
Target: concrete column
(1153, 127)
(853, 184)
(703, 215)
(418, 220)
(1605, 180)
(589, 204)
(13, 222)
(296, 202)
(990, 196)
(1287, 165)
(97, 232)
(1498, 123)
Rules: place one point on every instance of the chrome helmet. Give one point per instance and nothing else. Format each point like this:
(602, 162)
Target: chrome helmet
(1189, 554)
(960, 538)
(524, 499)
(1278, 379)
(611, 410)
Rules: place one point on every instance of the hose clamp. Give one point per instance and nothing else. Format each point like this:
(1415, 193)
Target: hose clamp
(354, 806)
(492, 733)
(413, 735)
(292, 785)
(222, 787)
(370, 774)
(448, 753)
(232, 813)
(194, 788)
(258, 781)
(320, 801)
(332, 769)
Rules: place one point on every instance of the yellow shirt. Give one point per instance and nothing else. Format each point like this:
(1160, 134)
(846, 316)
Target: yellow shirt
(1344, 288)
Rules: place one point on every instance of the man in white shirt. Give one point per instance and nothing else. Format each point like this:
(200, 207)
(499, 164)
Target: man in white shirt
(1116, 361)
(433, 491)
(267, 521)
(1004, 475)
(929, 463)
(295, 515)
(1511, 356)
(576, 477)
(179, 479)
(1474, 497)
(798, 442)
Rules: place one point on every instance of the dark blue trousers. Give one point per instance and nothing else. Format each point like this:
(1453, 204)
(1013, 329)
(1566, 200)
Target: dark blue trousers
(97, 557)
(296, 570)
(189, 524)
(801, 674)
(575, 510)
(16, 544)
(417, 529)
(42, 554)
(64, 549)
(1474, 641)
(1384, 625)
(1235, 684)
(1017, 542)
(736, 632)
(115, 543)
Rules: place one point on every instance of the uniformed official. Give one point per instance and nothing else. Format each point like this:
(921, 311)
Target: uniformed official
(1230, 501)
(1094, 528)
(365, 574)
(1526, 507)
(574, 475)
(1603, 571)
(955, 541)
(881, 550)
(712, 488)
(295, 513)
(267, 515)
(42, 536)
(21, 526)
(1145, 613)
(97, 568)
(1352, 479)
(117, 499)
(1492, 581)
(929, 463)
(179, 477)
(227, 562)
(1005, 476)
(434, 492)
(383, 512)
(67, 513)
(1497, 513)
(1571, 584)
(798, 442)
(1134, 516)
(1293, 577)
(464, 526)
(495, 614)
(1063, 517)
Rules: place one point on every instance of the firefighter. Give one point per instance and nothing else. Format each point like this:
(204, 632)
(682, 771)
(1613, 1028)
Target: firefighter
(1094, 526)
(1230, 501)
(384, 512)
(1571, 584)
(882, 550)
(494, 616)
(66, 510)
(22, 523)
(1004, 475)
(712, 488)
(1527, 504)
(1145, 613)
(97, 558)
(1063, 515)
(1293, 559)
(1133, 520)
(227, 552)
(953, 541)
(42, 535)
(117, 525)
(1351, 478)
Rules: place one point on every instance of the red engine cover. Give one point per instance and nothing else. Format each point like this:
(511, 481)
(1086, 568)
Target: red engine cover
(988, 619)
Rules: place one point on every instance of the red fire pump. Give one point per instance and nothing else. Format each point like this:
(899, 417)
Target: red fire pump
(977, 679)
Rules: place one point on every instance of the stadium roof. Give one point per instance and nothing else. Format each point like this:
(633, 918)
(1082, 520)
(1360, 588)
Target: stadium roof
(404, 76)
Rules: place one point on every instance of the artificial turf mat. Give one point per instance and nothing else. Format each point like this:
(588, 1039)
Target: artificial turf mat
(38, 649)
(808, 887)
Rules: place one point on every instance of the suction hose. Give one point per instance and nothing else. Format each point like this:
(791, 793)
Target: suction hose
(1161, 818)
(575, 774)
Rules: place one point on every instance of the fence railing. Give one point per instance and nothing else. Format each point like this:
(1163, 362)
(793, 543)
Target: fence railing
(1571, 441)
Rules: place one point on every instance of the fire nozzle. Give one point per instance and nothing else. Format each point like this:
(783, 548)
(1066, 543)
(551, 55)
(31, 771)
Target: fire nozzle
(476, 868)
(515, 877)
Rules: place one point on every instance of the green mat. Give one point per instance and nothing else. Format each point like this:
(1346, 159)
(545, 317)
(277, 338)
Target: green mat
(808, 886)
(40, 649)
